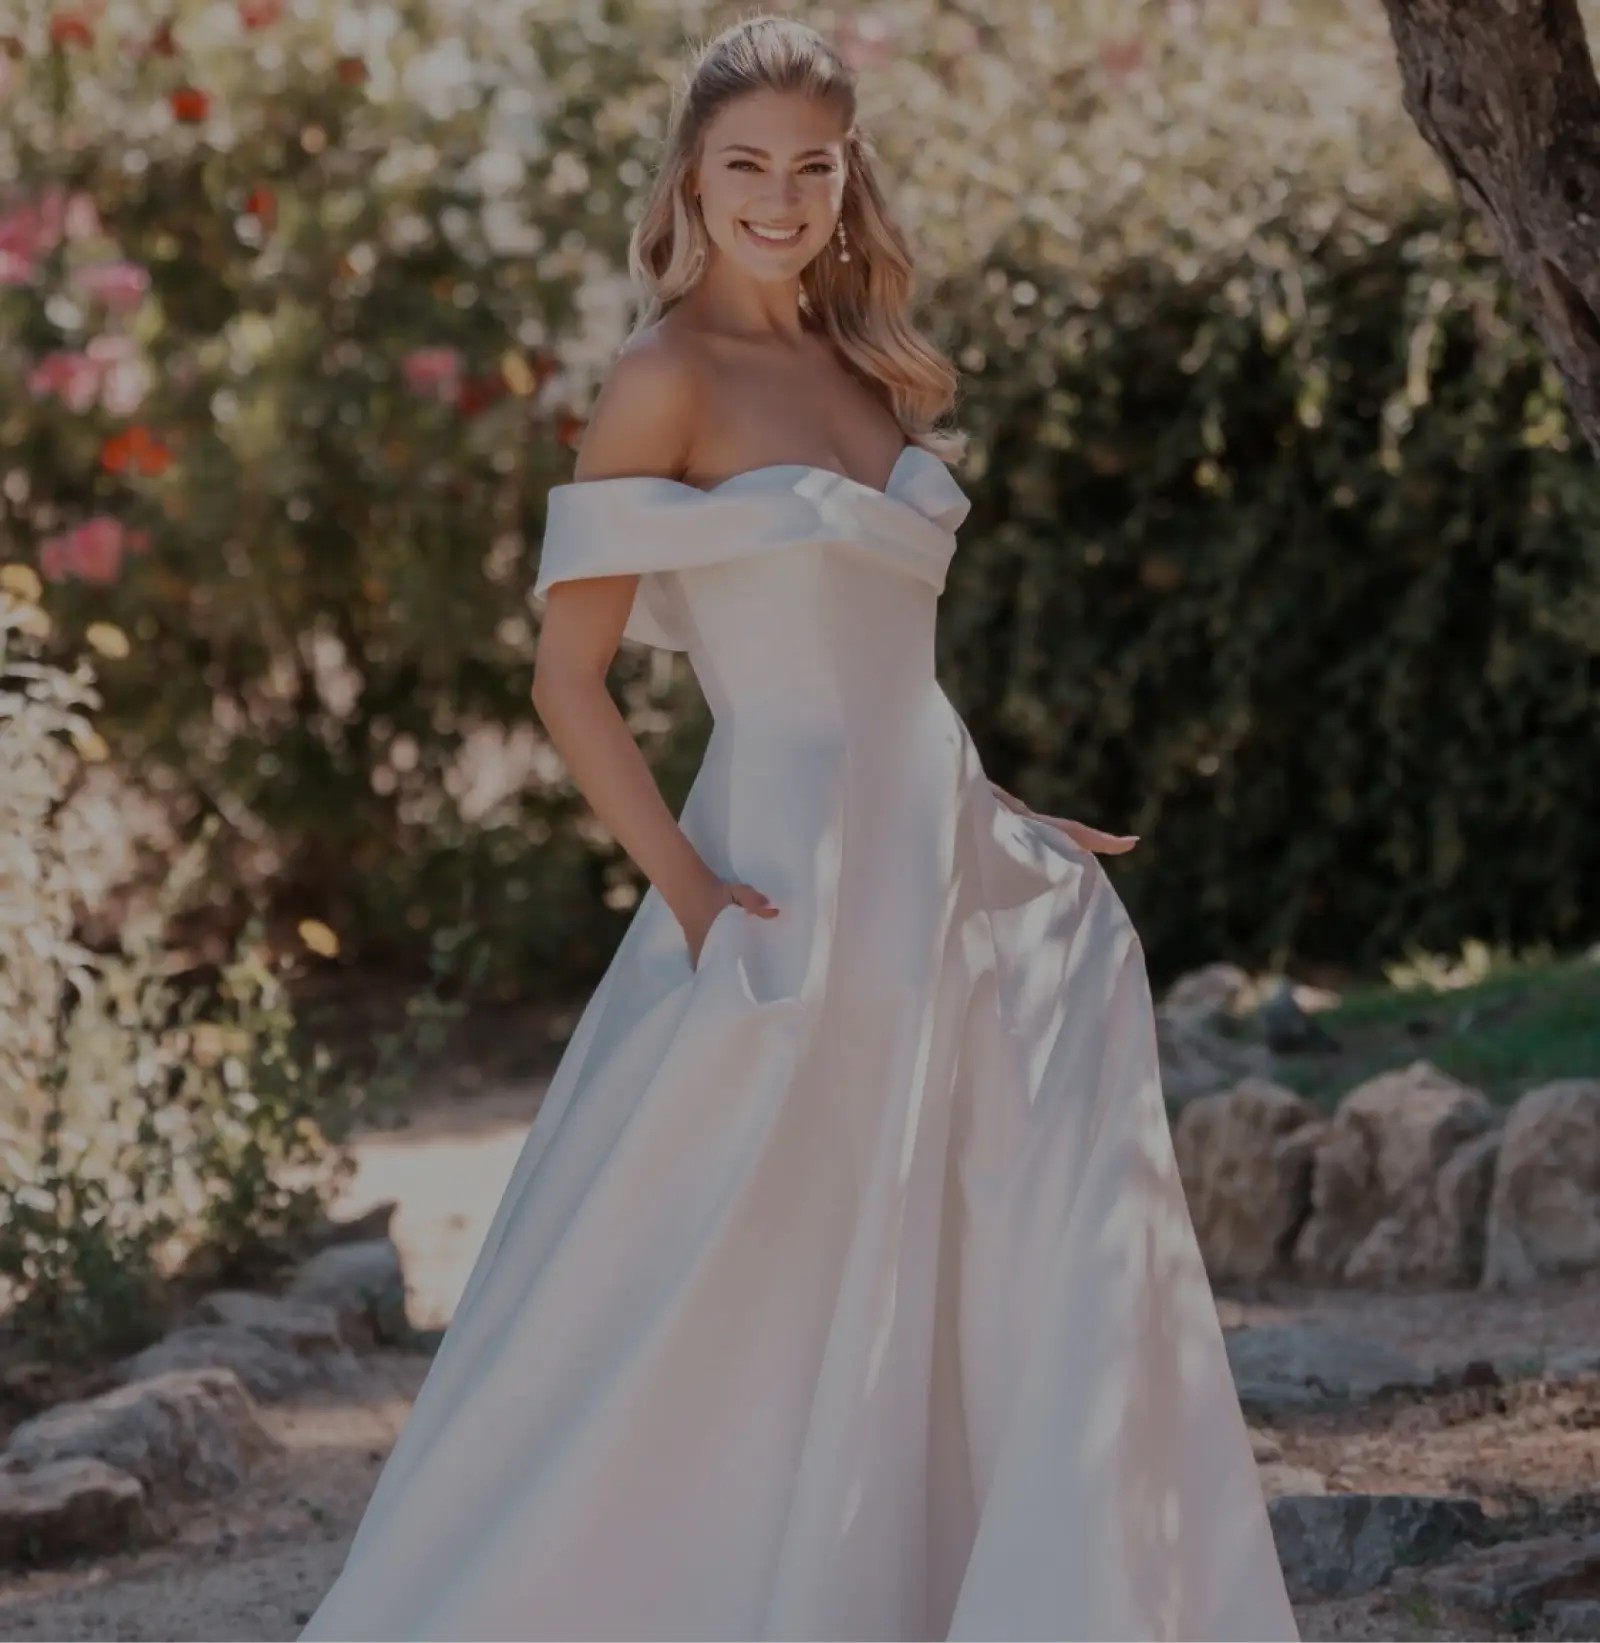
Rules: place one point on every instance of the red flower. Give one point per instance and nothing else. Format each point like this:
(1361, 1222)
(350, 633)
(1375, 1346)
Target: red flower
(262, 204)
(163, 43)
(260, 14)
(138, 450)
(569, 430)
(479, 393)
(351, 71)
(70, 28)
(190, 104)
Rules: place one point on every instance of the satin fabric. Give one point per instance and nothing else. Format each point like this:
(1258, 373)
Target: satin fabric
(845, 1286)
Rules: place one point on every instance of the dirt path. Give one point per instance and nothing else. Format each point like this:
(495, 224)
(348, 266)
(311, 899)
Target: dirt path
(253, 1566)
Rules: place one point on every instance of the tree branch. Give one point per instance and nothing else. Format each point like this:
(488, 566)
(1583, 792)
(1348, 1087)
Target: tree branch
(1505, 93)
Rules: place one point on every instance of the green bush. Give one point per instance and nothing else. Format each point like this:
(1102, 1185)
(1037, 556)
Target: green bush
(1294, 572)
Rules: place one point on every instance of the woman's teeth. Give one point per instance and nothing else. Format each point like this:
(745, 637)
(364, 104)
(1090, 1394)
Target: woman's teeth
(768, 237)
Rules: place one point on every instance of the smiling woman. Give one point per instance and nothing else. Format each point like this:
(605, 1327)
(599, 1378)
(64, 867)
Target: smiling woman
(845, 1286)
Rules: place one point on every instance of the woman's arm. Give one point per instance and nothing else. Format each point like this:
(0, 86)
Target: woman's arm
(640, 425)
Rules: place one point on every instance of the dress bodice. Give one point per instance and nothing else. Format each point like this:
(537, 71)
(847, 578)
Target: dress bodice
(668, 532)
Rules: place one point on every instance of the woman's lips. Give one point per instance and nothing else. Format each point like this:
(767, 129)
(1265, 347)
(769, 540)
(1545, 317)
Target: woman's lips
(776, 242)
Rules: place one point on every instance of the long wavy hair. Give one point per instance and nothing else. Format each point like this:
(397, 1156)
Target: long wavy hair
(863, 305)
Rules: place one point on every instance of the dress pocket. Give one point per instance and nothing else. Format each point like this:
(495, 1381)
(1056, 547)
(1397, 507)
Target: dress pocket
(711, 930)
(726, 966)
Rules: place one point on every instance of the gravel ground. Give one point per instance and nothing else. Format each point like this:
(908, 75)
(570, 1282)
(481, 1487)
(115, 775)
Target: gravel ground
(253, 1566)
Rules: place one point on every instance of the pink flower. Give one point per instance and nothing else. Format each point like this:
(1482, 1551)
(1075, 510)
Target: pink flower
(74, 379)
(435, 372)
(124, 376)
(15, 269)
(109, 373)
(31, 230)
(121, 286)
(24, 233)
(91, 552)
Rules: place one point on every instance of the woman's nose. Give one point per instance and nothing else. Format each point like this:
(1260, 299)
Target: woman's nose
(785, 191)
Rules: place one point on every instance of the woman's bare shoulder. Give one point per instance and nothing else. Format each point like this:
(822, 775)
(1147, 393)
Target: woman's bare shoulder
(644, 418)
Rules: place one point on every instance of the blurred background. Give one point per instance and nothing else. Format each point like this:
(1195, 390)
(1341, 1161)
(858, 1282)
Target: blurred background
(1283, 554)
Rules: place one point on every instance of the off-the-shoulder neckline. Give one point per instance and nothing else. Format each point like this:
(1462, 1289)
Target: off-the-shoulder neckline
(887, 489)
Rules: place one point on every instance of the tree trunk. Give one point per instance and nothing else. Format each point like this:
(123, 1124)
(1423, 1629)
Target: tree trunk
(1505, 93)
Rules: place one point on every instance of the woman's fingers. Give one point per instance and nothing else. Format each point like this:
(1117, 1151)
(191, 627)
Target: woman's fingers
(1094, 838)
(753, 901)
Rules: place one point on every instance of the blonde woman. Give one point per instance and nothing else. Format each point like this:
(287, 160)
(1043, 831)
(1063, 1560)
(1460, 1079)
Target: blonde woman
(845, 1286)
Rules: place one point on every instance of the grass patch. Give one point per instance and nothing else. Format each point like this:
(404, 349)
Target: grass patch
(1499, 1023)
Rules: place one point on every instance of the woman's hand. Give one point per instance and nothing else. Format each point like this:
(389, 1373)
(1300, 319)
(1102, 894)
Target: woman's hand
(1081, 833)
(1091, 838)
(707, 903)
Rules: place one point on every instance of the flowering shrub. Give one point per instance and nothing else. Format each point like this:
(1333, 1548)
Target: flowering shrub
(153, 1127)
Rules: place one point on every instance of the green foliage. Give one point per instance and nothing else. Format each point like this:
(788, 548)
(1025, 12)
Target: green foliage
(1295, 573)
(1501, 1023)
(159, 1125)
(1281, 555)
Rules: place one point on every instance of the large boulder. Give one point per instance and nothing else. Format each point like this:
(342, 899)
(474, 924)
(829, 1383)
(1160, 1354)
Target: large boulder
(1544, 1211)
(1400, 1183)
(1208, 996)
(305, 1327)
(269, 1370)
(190, 1432)
(1515, 1574)
(1197, 1060)
(67, 1508)
(365, 1285)
(1279, 1367)
(1342, 1545)
(1245, 1159)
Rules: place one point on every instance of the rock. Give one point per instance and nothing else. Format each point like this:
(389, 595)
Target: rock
(304, 1327)
(1391, 1202)
(188, 1432)
(1441, 1238)
(65, 1508)
(1343, 1545)
(1576, 1619)
(1286, 1029)
(370, 1225)
(1522, 1574)
(1208, 995)
(364, 1284)
(1544, 1211)
(268, 1370)
(1248, 1191)
(1281, 1478)
(1292, 1366)
(1578, 1363)
(1197, 1061)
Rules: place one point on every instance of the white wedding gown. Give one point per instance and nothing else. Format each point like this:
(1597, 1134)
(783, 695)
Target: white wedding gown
(845, 1286)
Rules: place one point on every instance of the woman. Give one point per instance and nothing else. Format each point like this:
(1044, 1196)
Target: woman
(845, 1286)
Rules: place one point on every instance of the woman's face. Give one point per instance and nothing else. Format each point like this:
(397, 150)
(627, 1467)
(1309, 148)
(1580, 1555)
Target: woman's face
(772, 161)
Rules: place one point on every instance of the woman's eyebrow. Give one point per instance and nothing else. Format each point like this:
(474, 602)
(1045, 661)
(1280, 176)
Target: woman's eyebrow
(750, 148)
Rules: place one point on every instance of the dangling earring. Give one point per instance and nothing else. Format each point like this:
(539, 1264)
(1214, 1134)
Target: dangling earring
(844, 245)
